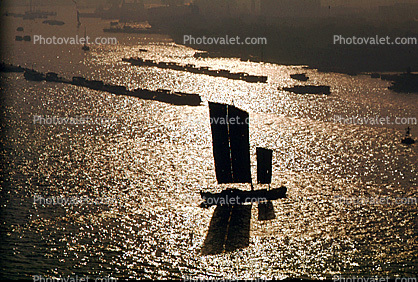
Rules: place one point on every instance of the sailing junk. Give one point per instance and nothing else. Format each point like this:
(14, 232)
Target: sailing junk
(231, 151)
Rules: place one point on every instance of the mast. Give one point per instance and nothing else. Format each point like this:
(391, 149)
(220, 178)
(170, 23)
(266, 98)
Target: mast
(231, 145)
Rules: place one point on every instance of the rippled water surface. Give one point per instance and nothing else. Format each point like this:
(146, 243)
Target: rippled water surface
(156, 157)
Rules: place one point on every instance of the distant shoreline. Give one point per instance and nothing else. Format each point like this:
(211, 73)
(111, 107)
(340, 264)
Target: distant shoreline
(308, 43)
(341, 68)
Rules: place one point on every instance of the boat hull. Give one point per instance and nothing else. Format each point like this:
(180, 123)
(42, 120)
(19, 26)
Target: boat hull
(308, 89)
(408, 141)
(239, 197)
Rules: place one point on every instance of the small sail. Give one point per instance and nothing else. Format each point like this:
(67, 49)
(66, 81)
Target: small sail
(264, 165)
(78, 18)
(231, 145)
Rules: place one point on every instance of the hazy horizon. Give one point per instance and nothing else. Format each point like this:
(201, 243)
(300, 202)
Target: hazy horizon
(348, 3)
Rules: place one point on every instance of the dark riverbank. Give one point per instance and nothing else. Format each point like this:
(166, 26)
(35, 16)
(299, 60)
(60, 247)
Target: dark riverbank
(309, 42)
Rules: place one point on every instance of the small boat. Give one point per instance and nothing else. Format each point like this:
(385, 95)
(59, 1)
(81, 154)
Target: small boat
(408, 139)
(27, 38)
(53, 22)
(19, 28)
(231, 151)
(201, 55)
(300, 76)
(308, 89)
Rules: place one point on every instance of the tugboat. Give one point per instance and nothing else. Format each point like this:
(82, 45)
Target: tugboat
(408, 139)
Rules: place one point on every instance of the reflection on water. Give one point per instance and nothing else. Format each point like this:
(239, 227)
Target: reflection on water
(157, 157)
(229, 229)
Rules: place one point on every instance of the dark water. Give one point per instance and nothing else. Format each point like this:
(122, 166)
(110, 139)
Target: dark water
(153, 158)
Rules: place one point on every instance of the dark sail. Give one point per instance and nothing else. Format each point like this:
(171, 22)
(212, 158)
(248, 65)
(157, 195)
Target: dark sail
(239, 138)
(231, 145)
(220, 137)
(264, 165)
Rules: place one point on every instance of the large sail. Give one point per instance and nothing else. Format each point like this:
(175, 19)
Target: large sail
(264, 165)
(220, 137)
(231, 144)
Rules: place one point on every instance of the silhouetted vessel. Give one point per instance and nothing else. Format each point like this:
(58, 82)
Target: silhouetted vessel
(162, 95)
(198, 70)
(129, 29)
(36, 14)
(231, 151)
(10, 68)
(201, 55)
(53, 22)
(52, 76)
(308, 89)
(33, 75)
(406, 83)
(408, 139)
(299, 76)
